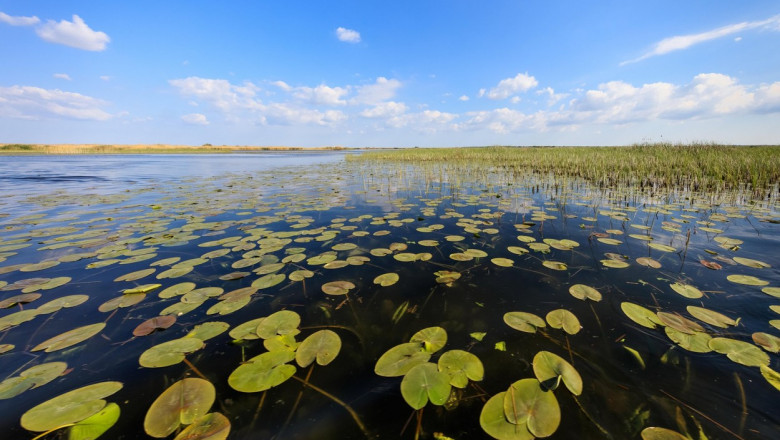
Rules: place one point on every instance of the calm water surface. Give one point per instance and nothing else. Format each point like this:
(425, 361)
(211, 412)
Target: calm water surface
(87, 228)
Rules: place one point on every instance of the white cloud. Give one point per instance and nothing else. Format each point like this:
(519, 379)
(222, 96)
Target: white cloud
(285, 114)
(282, 85)
(382, 90)
(348, 35)
(19, 21)
(321, 95)
(64, 76)
(74, 34)
(681, 42)
(552, 97)
(384, 110)
(105, 77)
(220, 93)
(463, 98)
(522, 82)
(195, 119)
(26, 102)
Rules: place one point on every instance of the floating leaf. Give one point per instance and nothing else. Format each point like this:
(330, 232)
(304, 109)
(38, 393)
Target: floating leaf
(550, 369)
(640, 315)
(710, 264)
(740, 352)
(19, 299)
(398, 360)
(656, 433)
(747, 279)
(772, 291)
(697, 342)
(649, 262)
(527, 403)
(169, 353)
(323, 345)
(686, 290)
(208, 330)
(494, 422)
(770, 343)
(662, 247)
(564, 319)
(615, 264)
(137, 275)
(152, 324)
(517, 250)
(387, 279)
(432, 339)
(525, 322)
(269, 280)
(70, 338)
(17, 318)
(610, 241)
(122, 301)
(262, 372)
(679, 323)
(583, 292)
(247, 330)
(461, 366)
(503, 262)
(95, 425)
(62, 302)
(180, 404)
(177, 289)
(145, 288)
(71, 407)
(30, 378)
(425, 382)
(772, 376)
(212, 426)
(555, 265)
(283, 322)
(446, 277)
(710, 316)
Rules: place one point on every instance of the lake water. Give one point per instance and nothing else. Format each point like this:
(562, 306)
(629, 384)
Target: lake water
(681, 332)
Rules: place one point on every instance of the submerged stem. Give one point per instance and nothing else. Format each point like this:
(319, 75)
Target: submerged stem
(344, 405)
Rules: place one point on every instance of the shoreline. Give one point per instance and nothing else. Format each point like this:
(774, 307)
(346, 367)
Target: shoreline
(68, 149)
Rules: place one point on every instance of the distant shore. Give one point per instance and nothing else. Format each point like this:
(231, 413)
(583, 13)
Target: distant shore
(15, 149)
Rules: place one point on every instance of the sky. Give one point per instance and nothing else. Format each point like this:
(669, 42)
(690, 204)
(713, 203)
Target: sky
(424, 73)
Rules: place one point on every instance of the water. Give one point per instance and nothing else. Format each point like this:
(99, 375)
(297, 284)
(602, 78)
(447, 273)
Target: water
(114, 210)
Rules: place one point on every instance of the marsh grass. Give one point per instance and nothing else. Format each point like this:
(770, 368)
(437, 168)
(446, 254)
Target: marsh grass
(696, 166)
(143, 149)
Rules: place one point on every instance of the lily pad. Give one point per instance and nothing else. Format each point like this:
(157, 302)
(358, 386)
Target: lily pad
(710, 316)
(527, 403)
(152, 324)
(583, 292)
(697, 342)
(212, 426)
(263, 372)
(503, 262)
(30, 378)
(564, 319)
(523, 321)
(269, 280)
(550, 369)
(95, 425)
(662, 247)
(615, 264)
(425, 382)
(70, 338)
(323, 345)
(686, 290)
(747, 279)
(740, 352)
(387, 279)
(169, 353)
(71, 407)
(494, 422)
(679, 323)
(771, 376)
(554, 265)
(640, 315)
(180, 404)
(432, 339)
(337, 287)
(656, 433)
(461, 366)
(63, 302)
(283, 322)
(751, 263)
(208, 330)
(398, 360)
(770, 343)
(246, 331)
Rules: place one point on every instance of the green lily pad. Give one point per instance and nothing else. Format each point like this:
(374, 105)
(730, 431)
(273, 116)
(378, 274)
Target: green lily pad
(208, 330)
(523, 321)
(432, 339)
(461, 366)
(425, 382)
(711, 317)
(697, 342)
(17, 318)
(180, 404)
(554, 265)
(337, 287)
(679, 323)
(446, 277)
(137, 275)
(662, 247)
(71, 407)
(283, 322)
(30, 378)
(269, 280)
(323, 345)
(144, 288)
(246, 331)
(751, 263)
(263, 372)
(656, 433)
(212, 426)
(169, 353)
(640, 315)
(615, 264)
(527, 403)
(494, 422)
(63, 302)
(583, 292)
(747, 279)
(770, 343)
(122, 301)
(771, 376)
(502, 262)
(740, 352)
(686, 290)
(517, 250)
(70, 338)
(281, 342)
(398, 360)
(564, 319)
(772, 291)
(387, 279)
(610, 241)
(176, 290)
(95, 425)
(550, 369)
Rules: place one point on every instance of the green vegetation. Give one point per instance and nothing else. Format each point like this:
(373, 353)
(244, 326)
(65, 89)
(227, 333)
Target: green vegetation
(696, 166)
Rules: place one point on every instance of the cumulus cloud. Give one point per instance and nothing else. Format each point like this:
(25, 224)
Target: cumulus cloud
(463, 98)
(522, 82)
(681, 42)
(74, 33)
(321, 95)
(384, 110)
(195, 119)
(348, 35)
(64, 76)
(220, 93)
(382, 90)
(26, 102)
(285, 114)
(19, 21)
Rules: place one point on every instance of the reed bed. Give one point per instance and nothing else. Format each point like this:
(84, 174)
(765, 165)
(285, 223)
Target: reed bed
(695, 166)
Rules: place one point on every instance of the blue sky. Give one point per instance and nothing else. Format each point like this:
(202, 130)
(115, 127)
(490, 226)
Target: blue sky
(401, 73)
